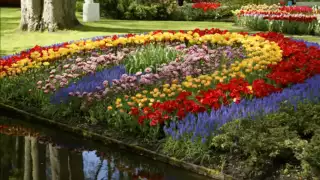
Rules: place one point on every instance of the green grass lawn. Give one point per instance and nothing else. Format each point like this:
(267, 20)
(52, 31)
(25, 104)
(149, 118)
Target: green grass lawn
(14, 40)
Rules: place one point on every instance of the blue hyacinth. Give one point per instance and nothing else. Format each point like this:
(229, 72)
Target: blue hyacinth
(203, 125)
(89, 83)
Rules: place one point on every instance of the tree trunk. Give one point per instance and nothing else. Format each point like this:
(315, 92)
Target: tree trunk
(48, 15)
(31, 12)
(59, 14)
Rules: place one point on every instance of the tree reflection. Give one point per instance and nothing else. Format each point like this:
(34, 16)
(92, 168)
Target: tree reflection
(76, 166)
(5, 157)
(59, 163)
(18, 159)
(38, 154)
(26, 155)
(24, 158)
(27, 159)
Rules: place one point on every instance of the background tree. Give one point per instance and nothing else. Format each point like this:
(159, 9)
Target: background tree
(51, 15)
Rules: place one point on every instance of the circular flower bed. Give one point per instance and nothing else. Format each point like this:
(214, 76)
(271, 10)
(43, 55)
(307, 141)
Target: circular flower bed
(163, 85)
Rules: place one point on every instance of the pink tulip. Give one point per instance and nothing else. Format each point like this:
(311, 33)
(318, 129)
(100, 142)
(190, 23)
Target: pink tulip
(79, 59)
(148, 70)
(139, 73)
(71, 93)
(66, 66)
(105, 83)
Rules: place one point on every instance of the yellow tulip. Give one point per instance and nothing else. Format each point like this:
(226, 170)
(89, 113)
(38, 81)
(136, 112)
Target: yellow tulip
(172, 88)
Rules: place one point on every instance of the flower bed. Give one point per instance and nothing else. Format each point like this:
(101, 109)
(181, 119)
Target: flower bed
(176, 87)
(285, 19)
(205, 5)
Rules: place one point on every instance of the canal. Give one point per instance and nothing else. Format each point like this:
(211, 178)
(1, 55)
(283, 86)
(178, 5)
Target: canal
(32, 152)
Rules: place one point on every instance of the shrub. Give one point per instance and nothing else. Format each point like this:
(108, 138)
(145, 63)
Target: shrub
(157, 10)
(142, 9)
(290, 136)
(187, 13)
(114, 8)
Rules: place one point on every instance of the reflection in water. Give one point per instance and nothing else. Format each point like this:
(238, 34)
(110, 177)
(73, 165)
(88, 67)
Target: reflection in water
(42, 154)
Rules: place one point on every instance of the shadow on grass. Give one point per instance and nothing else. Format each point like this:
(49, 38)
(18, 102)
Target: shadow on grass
(9, 52)
(86, 28)
(5, 53)
(9, 26)
(5, 19)
(124, 28)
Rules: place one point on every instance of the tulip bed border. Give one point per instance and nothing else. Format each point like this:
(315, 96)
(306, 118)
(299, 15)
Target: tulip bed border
(212, 173)
(58, 45)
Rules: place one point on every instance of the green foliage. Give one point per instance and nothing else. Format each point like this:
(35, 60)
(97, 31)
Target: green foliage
(17, 94)
(158, 10)
(260, 142)
(150, 56)
(142, 9)
(195, 152)
(289, 136)
(114, 8)
(311, 154)
(187, 13)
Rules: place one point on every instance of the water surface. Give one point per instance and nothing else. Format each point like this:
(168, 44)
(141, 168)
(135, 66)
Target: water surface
(33, 152)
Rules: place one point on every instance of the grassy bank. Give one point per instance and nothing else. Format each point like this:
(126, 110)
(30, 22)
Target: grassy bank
(13, 40)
